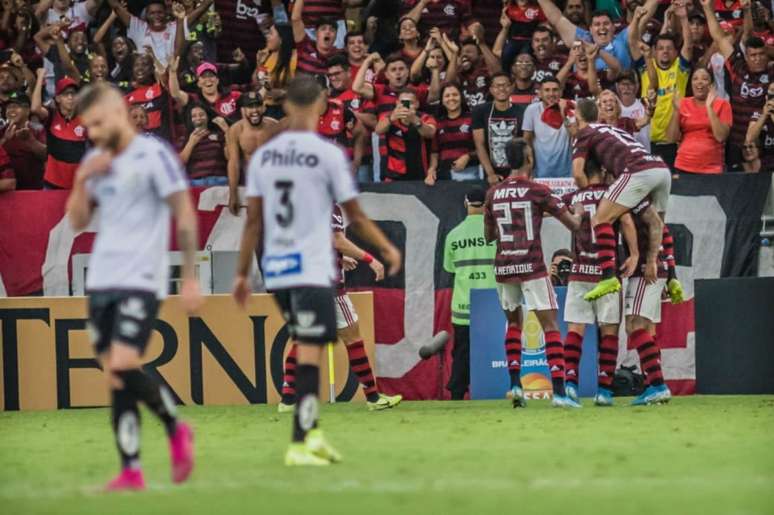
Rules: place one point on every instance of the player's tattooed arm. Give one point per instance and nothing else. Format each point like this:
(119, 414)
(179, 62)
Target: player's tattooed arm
(629, 232)
(655, 235)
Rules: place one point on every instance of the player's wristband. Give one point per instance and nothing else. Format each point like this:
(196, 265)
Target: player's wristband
(367, 258)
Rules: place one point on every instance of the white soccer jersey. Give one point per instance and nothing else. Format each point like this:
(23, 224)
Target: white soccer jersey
(299, 175)
(133, 228)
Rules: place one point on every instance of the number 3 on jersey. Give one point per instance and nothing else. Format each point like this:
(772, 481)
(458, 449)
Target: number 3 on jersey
(505, 222)
(285, 211)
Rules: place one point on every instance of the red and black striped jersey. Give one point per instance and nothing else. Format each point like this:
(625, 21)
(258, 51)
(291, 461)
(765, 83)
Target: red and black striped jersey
(614, 149)
(453, 139)
(548, 67)
(448, 15)
(408, 153)
(316, 10)
(225, 105)
(155, 100)
(333, 125)
(384, 102)
(475, 85)
(207, 157)
(310, 59)
(66, 143)
(748, 94)
(514, 210)
(584, 266)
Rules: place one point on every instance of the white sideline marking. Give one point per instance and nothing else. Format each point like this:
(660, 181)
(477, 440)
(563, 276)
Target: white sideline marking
(29, 492)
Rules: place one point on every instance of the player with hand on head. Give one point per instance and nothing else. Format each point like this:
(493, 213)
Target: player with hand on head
(513, 215)
(638, 175)
(585, 273)
(292, 184)
(643, 299)
(136, 180)
(347, 328)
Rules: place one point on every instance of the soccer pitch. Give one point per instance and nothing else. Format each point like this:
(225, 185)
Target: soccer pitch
(700, 455)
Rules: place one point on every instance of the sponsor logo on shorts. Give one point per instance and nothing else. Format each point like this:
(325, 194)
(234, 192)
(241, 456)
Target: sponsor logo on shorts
(133, 307)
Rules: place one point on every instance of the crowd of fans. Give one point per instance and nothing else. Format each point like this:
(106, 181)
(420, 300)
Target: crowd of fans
(425, 90)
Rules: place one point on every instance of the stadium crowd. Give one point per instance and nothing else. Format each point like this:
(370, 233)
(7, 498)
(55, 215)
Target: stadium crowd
(418, 89)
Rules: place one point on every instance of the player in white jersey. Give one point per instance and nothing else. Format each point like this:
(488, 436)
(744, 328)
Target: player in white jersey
(137, 182)
(292, 183)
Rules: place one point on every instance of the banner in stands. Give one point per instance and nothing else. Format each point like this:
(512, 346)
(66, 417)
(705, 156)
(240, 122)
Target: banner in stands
(223, 355)
(715, 220)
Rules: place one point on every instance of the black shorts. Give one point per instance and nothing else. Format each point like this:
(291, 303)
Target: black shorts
(121, 315)
(310, 312)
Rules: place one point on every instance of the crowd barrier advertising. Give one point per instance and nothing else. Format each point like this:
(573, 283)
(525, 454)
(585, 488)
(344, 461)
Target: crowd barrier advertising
(221, 355)
(715, 220)
(488, 367)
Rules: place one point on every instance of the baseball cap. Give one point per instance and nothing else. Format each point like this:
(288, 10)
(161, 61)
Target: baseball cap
(18, 97)
(697, 15)
(250, 99)
(64, 83)
(206, 67)
(476, 196)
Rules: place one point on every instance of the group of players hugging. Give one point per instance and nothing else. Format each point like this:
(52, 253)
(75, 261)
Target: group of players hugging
(623, 190)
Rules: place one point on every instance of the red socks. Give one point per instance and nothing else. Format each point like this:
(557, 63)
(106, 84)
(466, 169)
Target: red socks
(650, 357)
(572, 353)
(605, 245)
(608, 353)
(513, 353)
(358, 362)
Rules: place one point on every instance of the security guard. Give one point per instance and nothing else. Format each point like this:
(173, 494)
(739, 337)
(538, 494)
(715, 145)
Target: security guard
(468, 256)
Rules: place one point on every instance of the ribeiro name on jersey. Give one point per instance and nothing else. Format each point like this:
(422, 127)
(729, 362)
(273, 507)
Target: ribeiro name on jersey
(299, 176)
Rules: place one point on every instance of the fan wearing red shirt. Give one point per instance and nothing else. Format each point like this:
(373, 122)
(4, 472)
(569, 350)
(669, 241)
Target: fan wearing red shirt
(65, 136)
(408, 135)
(357, 130)
(313, 55)
(513, 217)
(7, 174)
(150, 93)
(219, 105)
(701, 124)
(24, 142)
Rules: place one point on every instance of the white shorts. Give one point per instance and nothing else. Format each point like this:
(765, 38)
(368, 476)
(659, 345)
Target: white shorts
(643, 299)
(537, 295)
(631, 188)
(346, 315)
(577, 310)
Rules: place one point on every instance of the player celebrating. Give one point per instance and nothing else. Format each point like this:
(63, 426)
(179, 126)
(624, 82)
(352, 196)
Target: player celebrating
(135, 180)
(293, 182)
(347, 328)
(513, 216)
(643, 299)
(605, 311)
(638, 175)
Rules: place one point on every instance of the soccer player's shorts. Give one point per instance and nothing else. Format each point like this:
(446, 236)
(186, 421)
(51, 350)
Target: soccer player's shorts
(536, 294)
(643, 299)
(310, 313)
(346, 316)
(631, 188)
(125, 316)
(604, 310)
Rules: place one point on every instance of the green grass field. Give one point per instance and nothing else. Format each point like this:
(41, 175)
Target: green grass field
(701, 455)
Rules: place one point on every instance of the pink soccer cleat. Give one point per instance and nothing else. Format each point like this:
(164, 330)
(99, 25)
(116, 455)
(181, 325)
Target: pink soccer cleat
(181, 451)
(128, 479)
